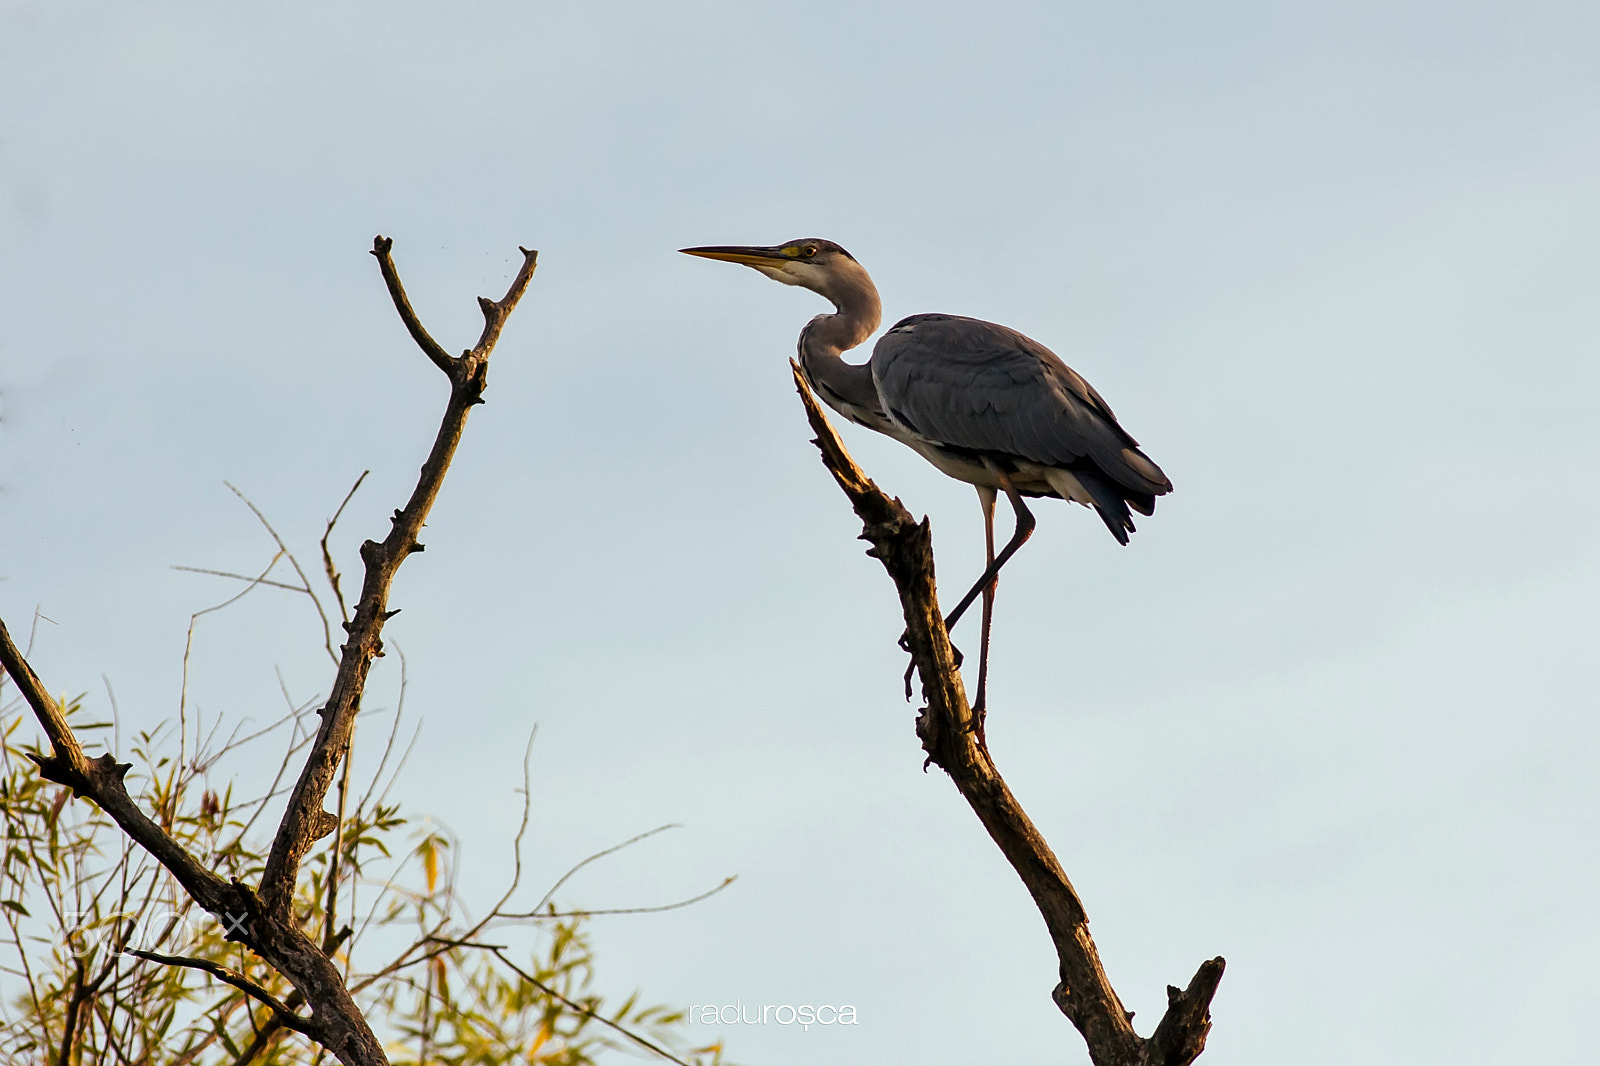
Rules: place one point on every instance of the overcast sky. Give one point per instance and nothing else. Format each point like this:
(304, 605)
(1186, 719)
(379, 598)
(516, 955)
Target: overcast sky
(1330, 715)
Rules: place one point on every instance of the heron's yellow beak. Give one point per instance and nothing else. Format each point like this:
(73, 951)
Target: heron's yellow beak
(749, 255)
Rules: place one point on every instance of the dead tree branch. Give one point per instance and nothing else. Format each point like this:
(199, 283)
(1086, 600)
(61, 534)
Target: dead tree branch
(945, 726)
(304, 821)
(261, 917)
(281, 1012)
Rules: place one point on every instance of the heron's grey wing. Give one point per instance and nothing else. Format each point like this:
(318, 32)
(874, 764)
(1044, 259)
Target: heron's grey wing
(971, 384)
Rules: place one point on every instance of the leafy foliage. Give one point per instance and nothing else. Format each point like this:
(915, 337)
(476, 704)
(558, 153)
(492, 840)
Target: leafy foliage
(76, 896)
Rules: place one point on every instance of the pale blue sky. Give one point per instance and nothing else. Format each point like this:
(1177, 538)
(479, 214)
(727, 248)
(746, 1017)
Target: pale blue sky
(1331, 715)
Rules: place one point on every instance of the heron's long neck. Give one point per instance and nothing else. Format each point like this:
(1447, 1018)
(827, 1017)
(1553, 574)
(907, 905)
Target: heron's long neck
(846, 387)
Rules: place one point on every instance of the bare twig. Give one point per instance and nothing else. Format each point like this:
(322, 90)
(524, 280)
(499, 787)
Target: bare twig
(408, 315)
(280, 1010)
(726, 881)
(328, 568)
(238, 577)
(946, 728)
(522, 827)
(236, 741)
(305, 582)
(330, 920)
(564, 878)
(297, 740)
(388, 746)
(188, 646)
(581, 1009)
(404, 959)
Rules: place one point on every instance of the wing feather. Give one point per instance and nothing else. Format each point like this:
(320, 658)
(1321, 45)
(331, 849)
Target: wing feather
(966, 383)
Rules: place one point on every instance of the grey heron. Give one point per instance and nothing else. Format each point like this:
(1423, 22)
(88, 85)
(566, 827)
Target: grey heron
(981, 402)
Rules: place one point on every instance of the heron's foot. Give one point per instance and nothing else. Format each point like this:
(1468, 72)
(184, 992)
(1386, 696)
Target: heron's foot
(905, 646)
(975, 726)
(911, 667)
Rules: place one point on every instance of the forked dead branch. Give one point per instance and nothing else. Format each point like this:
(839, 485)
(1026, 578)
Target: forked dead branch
(260, 916)
(949, 735)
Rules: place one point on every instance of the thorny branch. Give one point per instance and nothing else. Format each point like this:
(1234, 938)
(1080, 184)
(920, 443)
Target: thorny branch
(945, 726)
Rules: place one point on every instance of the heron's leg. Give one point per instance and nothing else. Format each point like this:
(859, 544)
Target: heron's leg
(986, 583)
(1025, 525)
(986, 498)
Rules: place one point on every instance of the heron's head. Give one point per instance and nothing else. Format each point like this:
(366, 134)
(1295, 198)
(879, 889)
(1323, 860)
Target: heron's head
(812, 263)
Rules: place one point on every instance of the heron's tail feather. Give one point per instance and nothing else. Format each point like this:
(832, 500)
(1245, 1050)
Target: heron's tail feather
(1110, 498)
(1111, 506)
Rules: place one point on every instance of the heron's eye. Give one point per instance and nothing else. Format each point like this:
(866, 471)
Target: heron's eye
(809, 251)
